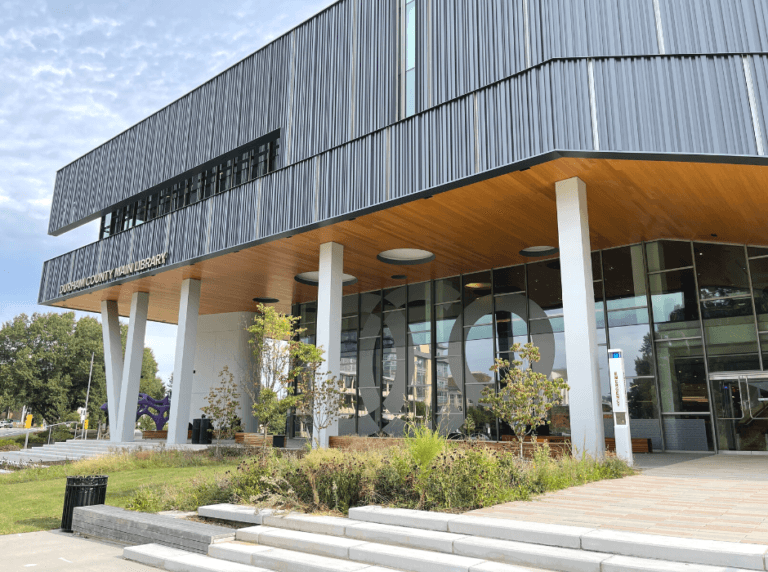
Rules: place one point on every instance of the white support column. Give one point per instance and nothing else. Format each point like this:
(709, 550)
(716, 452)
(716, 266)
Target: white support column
(587, 432)
(134, 355)
(113, 363)
(186, 341)
(329, 294)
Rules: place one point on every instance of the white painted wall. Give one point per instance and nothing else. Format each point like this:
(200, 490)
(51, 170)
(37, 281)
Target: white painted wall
(222, 340)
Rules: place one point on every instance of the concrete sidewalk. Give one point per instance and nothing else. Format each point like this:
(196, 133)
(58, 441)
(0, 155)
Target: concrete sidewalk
(53, 551)
(712, 497)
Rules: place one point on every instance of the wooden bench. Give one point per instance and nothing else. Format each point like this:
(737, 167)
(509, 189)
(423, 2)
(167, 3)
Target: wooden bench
(252, 439)
(640, 445)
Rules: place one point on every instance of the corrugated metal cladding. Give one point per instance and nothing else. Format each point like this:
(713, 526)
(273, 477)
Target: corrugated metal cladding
(499, 81)
(714, 26)
(675, 105)
(335, 78)
(652, 104)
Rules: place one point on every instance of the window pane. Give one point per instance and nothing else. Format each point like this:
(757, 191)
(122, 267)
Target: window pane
(675, 309)
(479, 355)
(410, 92)
(106, 225)
(477, 286)
(682, 376)
(688, 433)
(544, 288)
(641, 398)
(597, 270)
(509, 280)
(419, 307)
(635, 341)
(721, 270)
(757, 251)
(628, 317)
(668, 254)
(447, 290)
(729, 331)
(394, 329)
(624, 277)
(759, 269)
(349, 305)
(410, 35)
(445, 318)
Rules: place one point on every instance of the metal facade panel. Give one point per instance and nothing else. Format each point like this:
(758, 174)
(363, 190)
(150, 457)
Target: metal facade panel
(714, 26)
(760, 85)
(275, 203)
(676, 105)
(321, 99)
(578, 28)
(375, 77)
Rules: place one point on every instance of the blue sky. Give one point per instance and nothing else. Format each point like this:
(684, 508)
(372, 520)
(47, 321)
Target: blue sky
(74, 74)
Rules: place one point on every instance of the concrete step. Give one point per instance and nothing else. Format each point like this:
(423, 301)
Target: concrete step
(673, 549)
(543, 546)
(454, 557)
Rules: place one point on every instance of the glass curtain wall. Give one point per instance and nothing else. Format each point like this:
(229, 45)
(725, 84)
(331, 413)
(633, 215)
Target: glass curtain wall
(678, 310)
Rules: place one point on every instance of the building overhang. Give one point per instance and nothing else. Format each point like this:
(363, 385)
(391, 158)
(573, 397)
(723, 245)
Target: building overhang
(473, 225)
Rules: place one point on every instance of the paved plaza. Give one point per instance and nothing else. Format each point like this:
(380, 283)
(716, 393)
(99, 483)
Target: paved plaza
(54, 551)
(714, 497)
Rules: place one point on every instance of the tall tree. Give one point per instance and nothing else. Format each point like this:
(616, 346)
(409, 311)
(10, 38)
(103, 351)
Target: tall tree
(45, 361)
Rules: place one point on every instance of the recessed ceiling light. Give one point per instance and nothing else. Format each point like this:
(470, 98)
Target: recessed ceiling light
(313, 278)
(399, 277)
(406, 256)
(535, 251)
(478, 285)
(261, 300)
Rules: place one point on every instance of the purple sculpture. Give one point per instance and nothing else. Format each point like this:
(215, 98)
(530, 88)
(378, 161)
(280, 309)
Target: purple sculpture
(161, 406)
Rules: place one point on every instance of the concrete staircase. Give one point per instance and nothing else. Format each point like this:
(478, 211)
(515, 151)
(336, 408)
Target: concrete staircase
(72, 450)
(375, 539)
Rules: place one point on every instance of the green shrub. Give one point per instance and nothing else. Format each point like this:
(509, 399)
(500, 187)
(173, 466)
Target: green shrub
(9, 445)
(422, 472)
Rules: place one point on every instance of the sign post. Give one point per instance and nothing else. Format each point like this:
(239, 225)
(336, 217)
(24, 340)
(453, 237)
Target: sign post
(620, 410)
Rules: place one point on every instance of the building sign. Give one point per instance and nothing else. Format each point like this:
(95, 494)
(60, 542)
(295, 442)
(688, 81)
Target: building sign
(119, 272)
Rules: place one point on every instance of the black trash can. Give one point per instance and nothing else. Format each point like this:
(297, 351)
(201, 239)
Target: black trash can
(82, 491)
(206, 432)
(196, 423)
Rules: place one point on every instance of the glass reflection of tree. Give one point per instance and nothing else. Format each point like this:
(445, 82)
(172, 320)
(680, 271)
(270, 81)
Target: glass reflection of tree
(644, 362)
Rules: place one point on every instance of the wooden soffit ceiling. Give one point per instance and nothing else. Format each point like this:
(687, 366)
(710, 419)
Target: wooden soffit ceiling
(476, 227)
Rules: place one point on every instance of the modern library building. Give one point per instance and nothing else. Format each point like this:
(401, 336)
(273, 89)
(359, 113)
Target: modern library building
(426, 183)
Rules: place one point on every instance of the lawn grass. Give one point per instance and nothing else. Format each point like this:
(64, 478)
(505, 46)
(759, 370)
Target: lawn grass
(33, 499)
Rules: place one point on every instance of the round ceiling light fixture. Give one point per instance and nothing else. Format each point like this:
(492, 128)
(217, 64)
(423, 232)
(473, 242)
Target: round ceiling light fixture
(405, 256)
(263, 300)
(536, 251)
(313, 278)
(478, 285)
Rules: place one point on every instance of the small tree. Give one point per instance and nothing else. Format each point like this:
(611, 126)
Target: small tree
(275, 346)
(526, 397)
(223, 402)
(321, 397)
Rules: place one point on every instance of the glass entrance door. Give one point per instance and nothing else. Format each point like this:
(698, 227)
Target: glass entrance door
(740, 402)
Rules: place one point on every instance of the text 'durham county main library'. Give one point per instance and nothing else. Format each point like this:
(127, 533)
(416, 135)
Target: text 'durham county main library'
(426, 183)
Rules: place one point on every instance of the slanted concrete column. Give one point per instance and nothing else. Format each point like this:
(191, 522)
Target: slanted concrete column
(186, 341)
(113, 363)
(134, 354)
(329, 294)
(586, 411)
